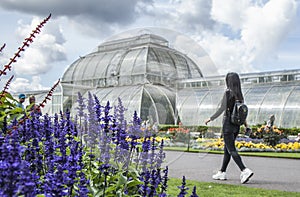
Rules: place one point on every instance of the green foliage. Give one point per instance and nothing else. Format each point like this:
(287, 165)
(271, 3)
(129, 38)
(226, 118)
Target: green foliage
(291, 131)
(204, 129)
(114, 181)
(167, 127)
(8, 109)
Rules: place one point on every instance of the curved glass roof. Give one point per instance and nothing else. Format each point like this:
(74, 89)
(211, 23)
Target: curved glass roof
(131, 61)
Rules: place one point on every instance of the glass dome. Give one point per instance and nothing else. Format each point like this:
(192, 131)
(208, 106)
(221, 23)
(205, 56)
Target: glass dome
(140, 70)
(131, 61)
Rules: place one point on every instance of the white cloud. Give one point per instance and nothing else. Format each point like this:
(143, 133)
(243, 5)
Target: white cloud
(267, 26)
(184, 16)
(195, 14)
(93, 17)
(228, 55)
(193, 50)
(23, 84)
(230, 12)
(262, 26)
(238, 35)
(41, 55)
(234, 33)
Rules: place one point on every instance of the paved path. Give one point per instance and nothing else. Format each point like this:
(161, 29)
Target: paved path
(269, 173)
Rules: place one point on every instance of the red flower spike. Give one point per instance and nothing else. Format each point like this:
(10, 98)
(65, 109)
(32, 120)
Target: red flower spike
(3, 46)
(7, 67)
(6, 86)
(25, 44)
(42, 104)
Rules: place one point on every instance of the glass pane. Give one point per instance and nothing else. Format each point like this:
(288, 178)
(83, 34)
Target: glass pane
(254, 98)
(291, 112)
(209, 105)
(78, 72)
(94, 64)
(273, 103)
(128, 62)
(140, 62)
(130, 98)
(104, 61)
(161, 110)
(181, 66)
(68, 75)
(159, 63)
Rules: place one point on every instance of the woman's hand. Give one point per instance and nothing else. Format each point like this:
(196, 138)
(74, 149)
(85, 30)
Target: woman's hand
(207, 121)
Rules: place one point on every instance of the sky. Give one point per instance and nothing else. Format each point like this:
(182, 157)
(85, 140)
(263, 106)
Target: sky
(243, 36)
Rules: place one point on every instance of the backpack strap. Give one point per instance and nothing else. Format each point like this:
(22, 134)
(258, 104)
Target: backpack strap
(227, 100)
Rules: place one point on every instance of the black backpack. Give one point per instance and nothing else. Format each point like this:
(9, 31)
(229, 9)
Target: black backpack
(239, 113)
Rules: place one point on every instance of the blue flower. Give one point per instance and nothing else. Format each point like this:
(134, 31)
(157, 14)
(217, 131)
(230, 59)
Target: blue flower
(183, 188)
(194, 194)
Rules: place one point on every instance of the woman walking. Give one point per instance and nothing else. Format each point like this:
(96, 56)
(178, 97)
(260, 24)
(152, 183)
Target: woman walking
(230, 130)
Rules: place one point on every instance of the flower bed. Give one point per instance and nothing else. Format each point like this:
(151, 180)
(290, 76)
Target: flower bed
(247, 145)
(261, 140)
(94, 154)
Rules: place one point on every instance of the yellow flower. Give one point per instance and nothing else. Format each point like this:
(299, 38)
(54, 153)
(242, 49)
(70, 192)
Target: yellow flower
(284, 146)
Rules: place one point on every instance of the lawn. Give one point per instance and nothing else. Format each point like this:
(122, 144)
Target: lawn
(207, 189)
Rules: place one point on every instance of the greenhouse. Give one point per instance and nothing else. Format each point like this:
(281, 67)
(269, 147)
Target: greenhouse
(165, 86)
(142, 71)
(278, 95)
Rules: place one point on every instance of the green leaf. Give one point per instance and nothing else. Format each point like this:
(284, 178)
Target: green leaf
(94, 170)
(122, 180)
(119, 193)
(110, 189)
(133, 183)
(94, 189)
(95, 164)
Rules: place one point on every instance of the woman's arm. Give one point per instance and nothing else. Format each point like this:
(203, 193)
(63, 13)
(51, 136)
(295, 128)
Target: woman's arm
(222, 107)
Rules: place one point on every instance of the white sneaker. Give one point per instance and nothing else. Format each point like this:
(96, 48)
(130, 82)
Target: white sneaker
(246, 174)
(220, 176)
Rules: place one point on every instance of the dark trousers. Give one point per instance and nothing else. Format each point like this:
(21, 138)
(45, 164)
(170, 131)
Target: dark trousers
(230, 132)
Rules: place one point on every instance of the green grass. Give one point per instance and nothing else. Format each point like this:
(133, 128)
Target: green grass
(206, 189)
(257, 154)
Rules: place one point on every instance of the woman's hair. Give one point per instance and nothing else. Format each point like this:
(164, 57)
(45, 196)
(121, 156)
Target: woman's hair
(31, 98)
(233, 83)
